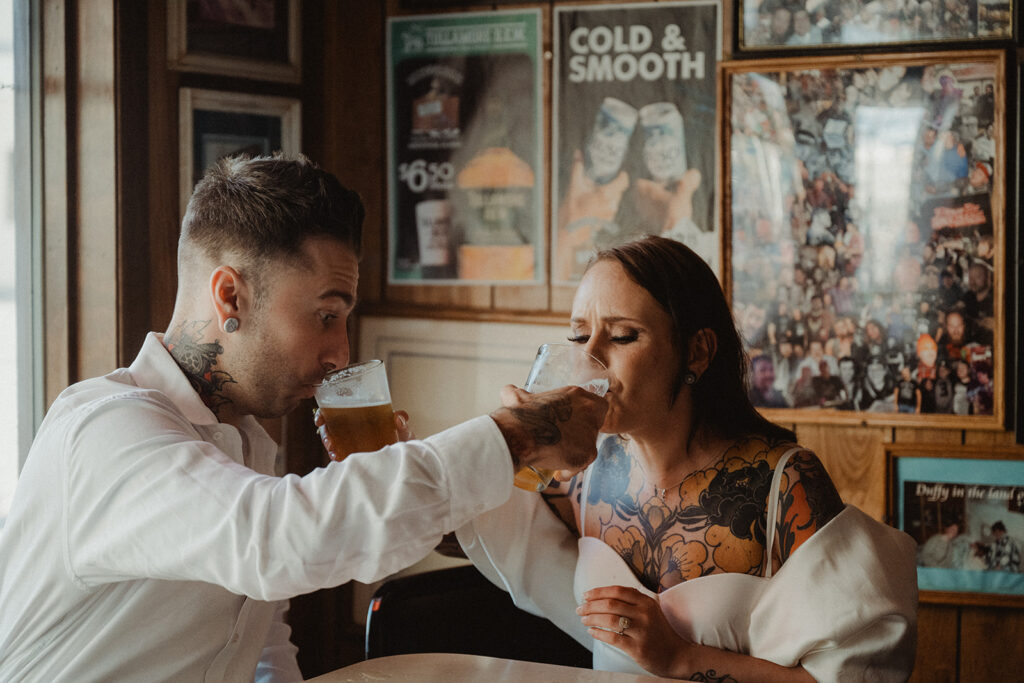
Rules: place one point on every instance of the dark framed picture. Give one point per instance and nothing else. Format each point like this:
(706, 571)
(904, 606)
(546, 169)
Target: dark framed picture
(214, 124)
(775, 25)
(258, 39)
(964, 505)
(865, 234)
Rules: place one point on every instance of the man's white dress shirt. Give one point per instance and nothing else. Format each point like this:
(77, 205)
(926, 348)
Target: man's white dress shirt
(149, 542)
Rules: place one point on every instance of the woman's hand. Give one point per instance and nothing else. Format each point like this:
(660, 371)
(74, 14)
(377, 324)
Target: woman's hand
(402, 428)
(634, 623)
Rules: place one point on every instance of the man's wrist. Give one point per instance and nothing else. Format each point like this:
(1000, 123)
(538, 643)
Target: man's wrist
(515, 437)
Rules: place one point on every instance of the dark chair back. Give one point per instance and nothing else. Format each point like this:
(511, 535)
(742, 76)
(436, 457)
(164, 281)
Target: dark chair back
(458, 610)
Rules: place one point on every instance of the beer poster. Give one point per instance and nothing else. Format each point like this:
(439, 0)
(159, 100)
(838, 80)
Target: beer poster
(465, 149)
(634, 139)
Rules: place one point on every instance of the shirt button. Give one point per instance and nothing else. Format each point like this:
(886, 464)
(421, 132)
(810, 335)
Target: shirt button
(217, 436)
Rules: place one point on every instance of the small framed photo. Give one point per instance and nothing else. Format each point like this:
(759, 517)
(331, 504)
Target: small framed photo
(865, 238)
(964, 505)
(214, 124)
(257, 39)
(774, 25)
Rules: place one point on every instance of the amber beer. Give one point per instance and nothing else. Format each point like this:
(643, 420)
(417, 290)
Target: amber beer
(359, 429)
(355, 403)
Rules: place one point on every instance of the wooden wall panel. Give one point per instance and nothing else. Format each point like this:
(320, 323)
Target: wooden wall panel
(937, 634)
(990, 644)
(95, 206)
(162, 91)
(855, 459)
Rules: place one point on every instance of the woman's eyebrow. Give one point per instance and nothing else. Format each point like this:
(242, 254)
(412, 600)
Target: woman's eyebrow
(610, 319)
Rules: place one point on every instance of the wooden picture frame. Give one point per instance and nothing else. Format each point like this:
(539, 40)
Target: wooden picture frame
(259, 40)
(845, 23)
(958, 502)
(854, 218)
(213, 124)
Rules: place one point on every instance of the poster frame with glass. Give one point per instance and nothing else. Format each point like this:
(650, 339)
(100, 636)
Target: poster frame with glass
(765, 134)
(631, 83)
(968, 484)
(844, 24)
(465, 149)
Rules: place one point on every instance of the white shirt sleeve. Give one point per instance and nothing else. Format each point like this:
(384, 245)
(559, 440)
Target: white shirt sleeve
(152, 499)
(277, 662)
(523, 548)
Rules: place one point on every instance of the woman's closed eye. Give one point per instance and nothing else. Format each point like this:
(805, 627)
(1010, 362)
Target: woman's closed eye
(625, 338)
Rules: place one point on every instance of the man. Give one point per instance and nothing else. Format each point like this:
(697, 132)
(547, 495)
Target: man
(762, 390)
(938, 550)
(1004, 552)
(148, 539)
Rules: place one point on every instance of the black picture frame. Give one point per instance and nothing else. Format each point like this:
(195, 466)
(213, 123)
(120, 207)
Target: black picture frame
(259, 40)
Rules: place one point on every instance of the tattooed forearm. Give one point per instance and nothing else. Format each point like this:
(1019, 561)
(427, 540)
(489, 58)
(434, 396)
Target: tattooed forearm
(197, 359)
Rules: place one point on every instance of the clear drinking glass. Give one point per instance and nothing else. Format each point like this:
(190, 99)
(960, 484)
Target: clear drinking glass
(355, 403)
(559, 365)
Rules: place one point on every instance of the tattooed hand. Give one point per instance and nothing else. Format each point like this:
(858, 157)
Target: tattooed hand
(552, 429)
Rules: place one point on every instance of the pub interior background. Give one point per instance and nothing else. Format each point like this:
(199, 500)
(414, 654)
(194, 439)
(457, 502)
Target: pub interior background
(106, 201)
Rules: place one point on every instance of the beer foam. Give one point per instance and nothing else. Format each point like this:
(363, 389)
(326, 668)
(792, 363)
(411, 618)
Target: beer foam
(337, 401)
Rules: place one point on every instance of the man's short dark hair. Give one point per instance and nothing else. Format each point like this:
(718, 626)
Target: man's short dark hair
(264, 208)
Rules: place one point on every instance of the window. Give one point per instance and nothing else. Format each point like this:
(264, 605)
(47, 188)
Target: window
(19, 407)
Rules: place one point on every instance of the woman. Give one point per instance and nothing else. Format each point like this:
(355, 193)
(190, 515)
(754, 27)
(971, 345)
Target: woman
(702, 543)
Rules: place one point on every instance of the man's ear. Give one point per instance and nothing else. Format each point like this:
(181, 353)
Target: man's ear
(229, 295)
(703, 345)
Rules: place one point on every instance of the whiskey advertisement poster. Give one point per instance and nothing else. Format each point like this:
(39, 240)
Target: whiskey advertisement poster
(465, 176)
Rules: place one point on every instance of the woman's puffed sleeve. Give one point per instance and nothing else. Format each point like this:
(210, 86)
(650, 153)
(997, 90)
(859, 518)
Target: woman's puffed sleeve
(844, 605)
(524, 549)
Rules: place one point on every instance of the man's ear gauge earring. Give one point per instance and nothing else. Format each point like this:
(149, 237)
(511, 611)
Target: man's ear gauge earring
(230, 324)
(689, 377)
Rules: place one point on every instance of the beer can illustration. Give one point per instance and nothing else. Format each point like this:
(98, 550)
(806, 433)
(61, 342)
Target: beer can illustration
(433, 227)
(664, 141)
(608, 142)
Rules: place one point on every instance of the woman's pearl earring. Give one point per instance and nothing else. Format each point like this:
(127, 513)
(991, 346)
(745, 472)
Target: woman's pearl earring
(689, 377)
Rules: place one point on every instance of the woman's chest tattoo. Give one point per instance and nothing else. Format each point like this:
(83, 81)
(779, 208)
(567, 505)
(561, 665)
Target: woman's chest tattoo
(712, 522)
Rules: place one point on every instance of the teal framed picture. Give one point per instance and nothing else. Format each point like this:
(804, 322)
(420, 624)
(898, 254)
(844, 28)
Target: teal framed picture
(964, 505)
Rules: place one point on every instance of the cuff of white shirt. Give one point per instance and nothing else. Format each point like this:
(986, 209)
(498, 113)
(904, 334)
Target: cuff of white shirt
(478, 464)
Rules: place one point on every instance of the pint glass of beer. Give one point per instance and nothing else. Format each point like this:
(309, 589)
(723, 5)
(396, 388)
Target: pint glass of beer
(355, 403)
(559, 365)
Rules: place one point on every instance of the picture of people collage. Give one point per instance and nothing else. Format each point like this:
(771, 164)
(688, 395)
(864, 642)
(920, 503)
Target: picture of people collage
(862, 246)
(797, 23)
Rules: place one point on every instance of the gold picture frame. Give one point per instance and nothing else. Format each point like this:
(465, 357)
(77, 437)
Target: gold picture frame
(852, 198)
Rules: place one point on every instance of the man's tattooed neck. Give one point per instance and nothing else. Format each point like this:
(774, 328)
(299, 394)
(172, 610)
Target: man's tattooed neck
(197, 359)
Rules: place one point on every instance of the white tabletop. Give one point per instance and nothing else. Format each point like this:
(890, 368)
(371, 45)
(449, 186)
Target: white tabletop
(455, 668)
